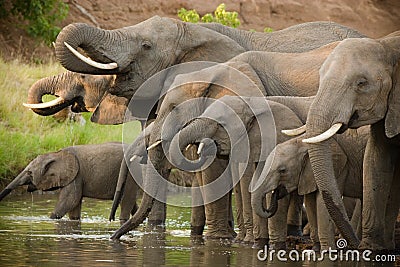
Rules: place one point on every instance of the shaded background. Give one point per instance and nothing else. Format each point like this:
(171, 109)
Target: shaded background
(372, 17)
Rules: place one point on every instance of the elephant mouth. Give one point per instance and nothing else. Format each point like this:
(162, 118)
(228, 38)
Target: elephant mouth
(277, 194)
(353, 119)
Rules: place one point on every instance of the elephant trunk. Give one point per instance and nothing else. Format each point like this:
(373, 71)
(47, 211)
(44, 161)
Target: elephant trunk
(152, 187)
(198, 131)
(258, 201)
(22, 179)
(87, 37)
(321, 161)
(48, 86)
(123, 173)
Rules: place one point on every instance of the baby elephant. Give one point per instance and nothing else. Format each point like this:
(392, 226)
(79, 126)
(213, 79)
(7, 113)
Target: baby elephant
(79, 171)
(290, 170)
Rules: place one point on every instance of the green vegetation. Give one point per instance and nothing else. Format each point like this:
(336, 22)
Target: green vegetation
(24, 134)
(41, 16)
(220, 16)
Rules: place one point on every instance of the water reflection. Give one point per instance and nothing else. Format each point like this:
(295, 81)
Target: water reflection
(29, 238)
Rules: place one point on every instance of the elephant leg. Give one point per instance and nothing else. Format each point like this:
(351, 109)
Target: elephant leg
(246, 201)
(326, 227)
(294, 215)
(356, 218)
(276, 224)
(311, 209)
(70, 196)
(75, 213)
(377, 180)
(128, 202)
(217, 212)
(239, 214)
(198, 218)
(392, 209)
(157, 214)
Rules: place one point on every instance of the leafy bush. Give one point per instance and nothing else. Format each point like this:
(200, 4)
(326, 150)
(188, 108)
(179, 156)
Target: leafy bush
(41, 16)
(220, 16)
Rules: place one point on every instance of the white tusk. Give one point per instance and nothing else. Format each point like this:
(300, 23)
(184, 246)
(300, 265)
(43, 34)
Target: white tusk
(49, 104)
(154, 144)
(108, 66)
(188, 146)
(133, 158)
(295, 132)
(325, 135)
(53, 44)
(200, 148)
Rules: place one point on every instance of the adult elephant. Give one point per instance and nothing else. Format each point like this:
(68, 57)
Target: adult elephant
(359, 85)
(78, 171)
(225, 124)
(291, 169)
(137, 52)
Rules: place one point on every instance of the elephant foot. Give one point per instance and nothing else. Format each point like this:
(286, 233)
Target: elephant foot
(54, 216)
(239, 237)
(369, 244)
(219, 234)
(249, 238)
(196, 230)
(260, 243)
(316, 247)
(294, 230)
(155, 224)
(281, 245)
(196, 240)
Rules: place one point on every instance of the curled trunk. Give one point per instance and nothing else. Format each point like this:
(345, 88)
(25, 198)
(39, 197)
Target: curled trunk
(198, 131)
(47, 86)
(258, 201)
(87, 37)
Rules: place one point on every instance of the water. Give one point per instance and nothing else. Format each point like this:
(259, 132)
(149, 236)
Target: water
(29, 238)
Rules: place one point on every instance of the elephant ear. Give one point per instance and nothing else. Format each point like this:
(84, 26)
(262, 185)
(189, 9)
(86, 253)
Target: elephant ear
(392, 119)
(111, 110)
(57, 170)
(306, 182)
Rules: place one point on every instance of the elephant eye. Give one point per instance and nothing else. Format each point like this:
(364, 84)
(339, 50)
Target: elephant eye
(146, 45)
(282, 170)
(362, 82)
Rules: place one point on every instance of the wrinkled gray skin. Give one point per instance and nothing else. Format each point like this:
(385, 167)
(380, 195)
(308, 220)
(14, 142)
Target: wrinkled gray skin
(290, 167)
(215, 124)
(359, 85)
(260, 74)
(78, 171)
(146, 48)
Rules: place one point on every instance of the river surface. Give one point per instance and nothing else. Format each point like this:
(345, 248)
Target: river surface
(29, 238)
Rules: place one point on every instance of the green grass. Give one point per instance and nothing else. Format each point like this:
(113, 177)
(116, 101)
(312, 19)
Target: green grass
(24, 134)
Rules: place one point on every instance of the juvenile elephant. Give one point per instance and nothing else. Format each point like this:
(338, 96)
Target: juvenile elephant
(137, 52)
(359, 85)
(78, 171)
(225, 124)
(290, 168)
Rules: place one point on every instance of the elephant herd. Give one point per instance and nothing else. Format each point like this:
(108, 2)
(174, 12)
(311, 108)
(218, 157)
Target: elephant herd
(308, 114)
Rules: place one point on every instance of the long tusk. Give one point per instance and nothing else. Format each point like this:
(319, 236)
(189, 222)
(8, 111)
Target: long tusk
(154, 144)
(200, 148)
(49, 104)
(325, 135)
(187, 147)
(133, 158)
(108, 66)
(295, 132)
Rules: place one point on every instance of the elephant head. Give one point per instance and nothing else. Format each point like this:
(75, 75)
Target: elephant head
(359, 85)
(46, 172)
(83, 92)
